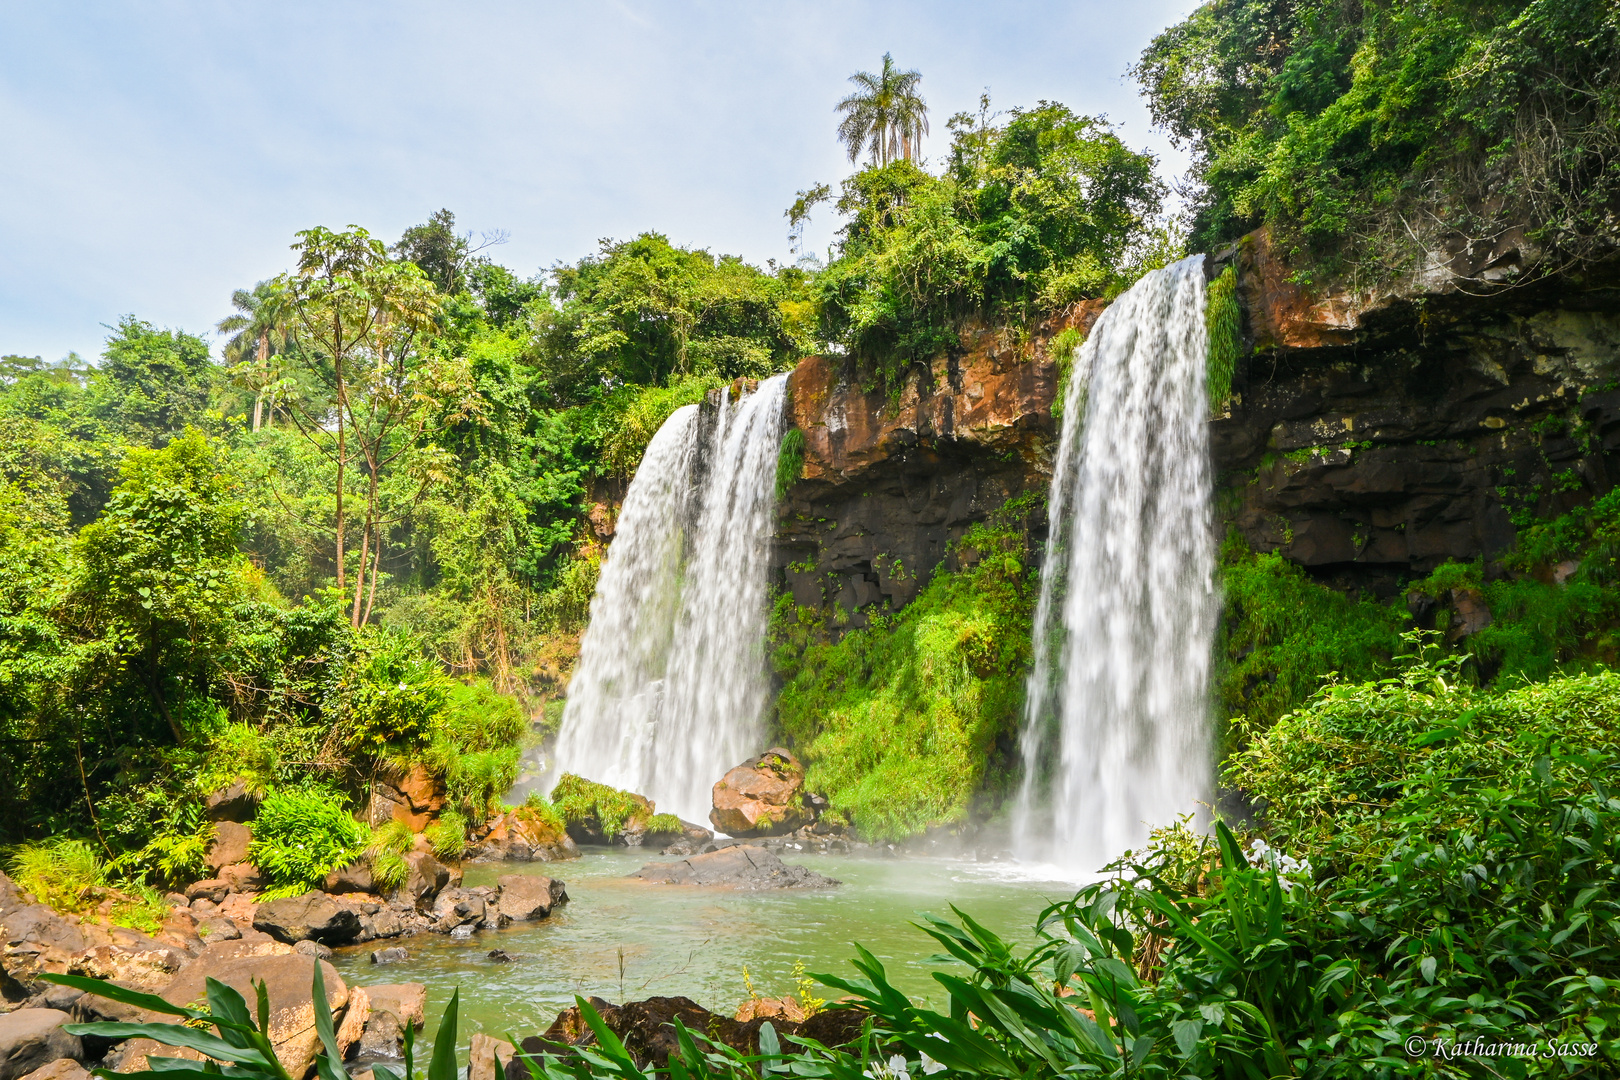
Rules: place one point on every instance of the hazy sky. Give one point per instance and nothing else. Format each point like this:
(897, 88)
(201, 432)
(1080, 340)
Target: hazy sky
(156, 156)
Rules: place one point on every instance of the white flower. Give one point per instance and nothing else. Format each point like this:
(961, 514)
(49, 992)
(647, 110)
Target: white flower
(894, 1070)
(930, 1066)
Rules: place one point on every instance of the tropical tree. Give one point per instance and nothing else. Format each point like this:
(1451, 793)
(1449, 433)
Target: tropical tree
(886, 116)
(359, 313)
(260, 327)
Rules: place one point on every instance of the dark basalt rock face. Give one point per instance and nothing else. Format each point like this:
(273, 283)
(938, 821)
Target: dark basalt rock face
(1373, 437)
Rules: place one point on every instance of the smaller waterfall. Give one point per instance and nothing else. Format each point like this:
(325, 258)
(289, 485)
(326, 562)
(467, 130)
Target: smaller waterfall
(670, 687)
(1116, 735)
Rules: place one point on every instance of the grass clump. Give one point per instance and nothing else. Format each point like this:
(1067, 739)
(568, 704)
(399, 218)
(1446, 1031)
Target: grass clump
(789, 461)
(60, 872)
(539, 809)
(898, 721)
(300, 836)
(448, 835)
(589, 804)
(664, 824)
(387, 854)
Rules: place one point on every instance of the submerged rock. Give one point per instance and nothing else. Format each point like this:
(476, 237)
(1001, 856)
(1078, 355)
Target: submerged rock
(741, 866)
(762, 797)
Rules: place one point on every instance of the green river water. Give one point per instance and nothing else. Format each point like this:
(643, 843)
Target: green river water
(623, 940)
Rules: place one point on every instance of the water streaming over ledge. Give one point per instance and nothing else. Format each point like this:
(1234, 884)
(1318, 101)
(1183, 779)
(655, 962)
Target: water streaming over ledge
(1116, 734)
(670, 688)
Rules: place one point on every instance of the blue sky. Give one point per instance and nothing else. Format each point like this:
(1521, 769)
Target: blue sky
(155, 156)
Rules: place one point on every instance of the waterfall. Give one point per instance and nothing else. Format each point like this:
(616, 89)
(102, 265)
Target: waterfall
(1116, 732)
(670, 688)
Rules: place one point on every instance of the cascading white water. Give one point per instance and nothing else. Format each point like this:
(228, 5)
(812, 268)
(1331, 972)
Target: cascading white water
(670, 687)
(1116, 733)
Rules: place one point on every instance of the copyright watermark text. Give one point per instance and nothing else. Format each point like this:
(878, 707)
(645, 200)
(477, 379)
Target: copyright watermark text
(1449, 1049)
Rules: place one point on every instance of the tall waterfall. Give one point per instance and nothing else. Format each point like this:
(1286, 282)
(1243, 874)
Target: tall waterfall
(1116, 735)
(670, 688)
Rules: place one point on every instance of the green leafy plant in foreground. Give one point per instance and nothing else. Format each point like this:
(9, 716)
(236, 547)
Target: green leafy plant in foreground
(242, 1039)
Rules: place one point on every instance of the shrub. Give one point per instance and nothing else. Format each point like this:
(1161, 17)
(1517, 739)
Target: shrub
(566, 606)
(300, 836)
(392, 694)
(238, 752)
(1281, 634)
(632, 416)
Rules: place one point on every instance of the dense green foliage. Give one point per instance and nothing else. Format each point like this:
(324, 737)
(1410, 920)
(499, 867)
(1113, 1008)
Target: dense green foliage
(1282, 633)
(899, 720)
(358, 547)
(1028, 216)
(1365, 132)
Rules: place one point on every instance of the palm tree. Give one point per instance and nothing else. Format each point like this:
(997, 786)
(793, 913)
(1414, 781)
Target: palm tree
(885, 116)
(260, 325)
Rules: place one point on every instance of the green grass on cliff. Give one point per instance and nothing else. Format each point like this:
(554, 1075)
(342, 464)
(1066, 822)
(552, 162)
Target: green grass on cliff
(899, 721)
(1282, 634)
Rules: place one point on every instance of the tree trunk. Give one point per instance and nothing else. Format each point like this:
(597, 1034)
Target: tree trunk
(342, 400)
(264, 358)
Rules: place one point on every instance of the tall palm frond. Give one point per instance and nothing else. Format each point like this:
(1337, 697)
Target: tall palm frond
(260, 328)
(885, 116)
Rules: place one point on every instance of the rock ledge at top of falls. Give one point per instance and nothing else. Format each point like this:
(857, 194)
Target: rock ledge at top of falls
(740, 866)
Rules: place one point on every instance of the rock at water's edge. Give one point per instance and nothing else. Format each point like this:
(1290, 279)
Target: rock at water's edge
(762, 797)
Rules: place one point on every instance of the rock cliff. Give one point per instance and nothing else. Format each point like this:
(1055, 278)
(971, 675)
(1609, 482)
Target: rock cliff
(890, 481)
(1369, 436)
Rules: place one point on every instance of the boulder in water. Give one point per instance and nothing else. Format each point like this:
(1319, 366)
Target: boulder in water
(740, 866)
(599, 814)
(526, 896)
(762, 797)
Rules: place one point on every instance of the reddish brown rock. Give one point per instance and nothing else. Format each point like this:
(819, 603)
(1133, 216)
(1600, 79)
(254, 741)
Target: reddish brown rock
(288, 979)
(231, 841)
(415, 799)
(762, 797)
(522, 836)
